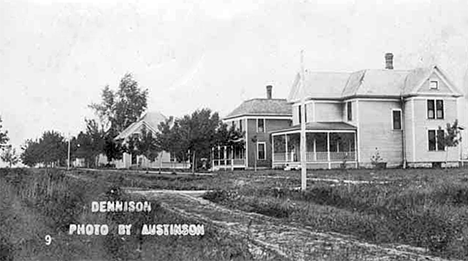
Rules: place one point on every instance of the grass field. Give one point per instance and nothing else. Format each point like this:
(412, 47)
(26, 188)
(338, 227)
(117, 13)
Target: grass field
(36, 203)
(426, 208)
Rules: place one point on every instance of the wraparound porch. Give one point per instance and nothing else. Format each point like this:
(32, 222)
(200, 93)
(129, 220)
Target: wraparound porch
(325, 149)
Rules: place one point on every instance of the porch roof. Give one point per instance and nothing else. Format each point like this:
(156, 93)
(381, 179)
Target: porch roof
(325, 126)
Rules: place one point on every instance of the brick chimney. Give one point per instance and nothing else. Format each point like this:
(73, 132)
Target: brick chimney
(389, 61)
(269, 89)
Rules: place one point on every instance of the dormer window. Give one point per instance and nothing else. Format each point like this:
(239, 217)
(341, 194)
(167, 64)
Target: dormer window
(434, 85)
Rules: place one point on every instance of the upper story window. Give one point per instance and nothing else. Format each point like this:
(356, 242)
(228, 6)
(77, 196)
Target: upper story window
(434, 84)
(435, 140)
(396, 118)
(349, 111)
(435, 109)
(240, 126)
(260, 125)
(299, 113)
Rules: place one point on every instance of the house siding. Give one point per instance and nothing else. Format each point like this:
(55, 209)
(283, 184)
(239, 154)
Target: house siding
(270, 125)
(328, 111)
(376, 132)
(421, 126)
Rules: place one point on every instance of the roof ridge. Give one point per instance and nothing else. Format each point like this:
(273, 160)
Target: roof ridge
(277, 99)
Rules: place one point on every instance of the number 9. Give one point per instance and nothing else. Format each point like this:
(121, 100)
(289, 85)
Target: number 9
(48, 239)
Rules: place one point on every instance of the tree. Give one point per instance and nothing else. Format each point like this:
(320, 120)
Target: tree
(144, 144)
(112, 149)
(121, 108)
(31, 153)
(89, 144)
(3, 135)
(169, 138)
(450, 138)
(117, 110)
(50, 149)
(191, 136)
(53, 148)
(9, 156)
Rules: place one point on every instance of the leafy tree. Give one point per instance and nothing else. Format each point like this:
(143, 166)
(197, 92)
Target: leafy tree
(31, 153)
(193, 136)
(144, 144)
(51, 148)
(229, 136)
(3, 135)
(121, 108)
(117, 110)
(198, 134)
(9, 156)
(169, 139)
(451, 137)
(112, 149)
(89, 144)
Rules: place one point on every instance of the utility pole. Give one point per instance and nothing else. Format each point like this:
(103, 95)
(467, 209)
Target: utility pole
(303, 128)
(68, 163)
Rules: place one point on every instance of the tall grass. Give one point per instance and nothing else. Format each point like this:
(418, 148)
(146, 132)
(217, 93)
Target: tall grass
(432, 214)
(36, 203)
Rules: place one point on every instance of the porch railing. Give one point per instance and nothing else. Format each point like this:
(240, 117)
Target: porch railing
(229, 163)
(314, 156)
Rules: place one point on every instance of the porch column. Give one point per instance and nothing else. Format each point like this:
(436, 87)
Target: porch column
(219, 157)
(286, 147)
(315, 149)
(232, 157)
(328, 150)
(225, 157)
(355, 149)
(272, 151)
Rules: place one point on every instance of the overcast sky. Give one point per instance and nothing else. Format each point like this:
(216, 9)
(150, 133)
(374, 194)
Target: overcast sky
(57, 55)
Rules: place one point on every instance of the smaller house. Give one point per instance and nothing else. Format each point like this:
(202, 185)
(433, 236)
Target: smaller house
(150, 121)
(256, 118)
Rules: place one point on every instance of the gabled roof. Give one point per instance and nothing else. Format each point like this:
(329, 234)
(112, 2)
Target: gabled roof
(150, 120)
(368, 83)
(262, 107)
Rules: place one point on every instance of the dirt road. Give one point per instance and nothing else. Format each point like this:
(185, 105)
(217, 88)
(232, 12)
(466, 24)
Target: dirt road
(270, 235)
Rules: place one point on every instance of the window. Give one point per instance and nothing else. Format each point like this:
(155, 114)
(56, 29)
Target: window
(349, 111)
(434, 85)
(240, 125)
(172, 157)
(299, 108)
(299, 113)
(261, 151)
(436, 140)
(430, 109)
(396, 115)
(435, 109)
(305, 112)
(440, 109)
(260, 125)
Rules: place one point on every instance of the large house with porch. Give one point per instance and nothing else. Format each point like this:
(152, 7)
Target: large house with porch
(257, 118)
(352, 118)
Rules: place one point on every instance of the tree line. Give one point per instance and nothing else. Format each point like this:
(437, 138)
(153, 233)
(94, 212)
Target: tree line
(188, 138)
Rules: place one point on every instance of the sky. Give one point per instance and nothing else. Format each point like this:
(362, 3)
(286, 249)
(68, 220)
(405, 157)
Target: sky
(56, 56)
